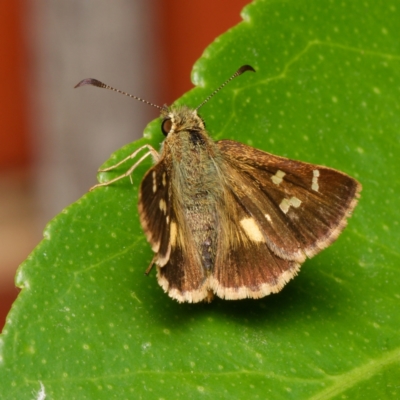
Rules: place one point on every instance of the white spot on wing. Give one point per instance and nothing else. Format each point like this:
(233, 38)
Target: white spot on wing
(287, 203)
(314, 184)
(295, 202)
(284, 205)
(268, 217)
(154, 181)
(278, 177)
(164, 179)
(163, 206)
(252, 230)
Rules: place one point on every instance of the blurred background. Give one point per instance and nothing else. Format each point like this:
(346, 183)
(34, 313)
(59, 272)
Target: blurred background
(54, 138)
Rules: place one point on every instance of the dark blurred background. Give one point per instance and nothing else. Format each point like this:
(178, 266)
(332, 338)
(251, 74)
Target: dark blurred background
(53, 138)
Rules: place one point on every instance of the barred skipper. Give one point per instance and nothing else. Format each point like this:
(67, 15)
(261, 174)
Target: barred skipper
(229, 220)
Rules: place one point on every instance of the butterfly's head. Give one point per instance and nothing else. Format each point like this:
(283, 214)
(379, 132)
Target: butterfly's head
(181, 118)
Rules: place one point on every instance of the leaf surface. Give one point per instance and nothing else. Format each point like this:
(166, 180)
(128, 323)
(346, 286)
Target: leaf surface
(89, 324)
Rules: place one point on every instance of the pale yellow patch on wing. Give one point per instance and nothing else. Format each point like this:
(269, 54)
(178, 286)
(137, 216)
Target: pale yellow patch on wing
(164, 179)
(284, 205)
(268, 217)
(154, 181)
(287, 203)
(314, 184)
(173, 233)
(163, 206)
(252, 230)
(295, 202)
(278, 177)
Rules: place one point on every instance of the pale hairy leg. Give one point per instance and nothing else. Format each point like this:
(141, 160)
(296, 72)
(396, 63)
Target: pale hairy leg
(151, 151)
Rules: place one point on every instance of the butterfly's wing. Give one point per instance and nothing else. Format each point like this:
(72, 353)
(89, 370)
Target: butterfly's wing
(299, 203)
(179, 270)
(183, 276)
(283, 210)
(246, 266)
(155, 210)
(275, 213)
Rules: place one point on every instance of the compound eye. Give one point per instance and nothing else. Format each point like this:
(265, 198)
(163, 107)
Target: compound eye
(166, 126)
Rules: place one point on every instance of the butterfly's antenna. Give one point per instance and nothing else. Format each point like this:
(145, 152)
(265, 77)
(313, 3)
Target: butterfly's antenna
(240, 71)
(95, 82)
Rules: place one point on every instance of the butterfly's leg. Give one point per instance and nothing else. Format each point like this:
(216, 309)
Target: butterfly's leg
(150, 267)
(151, 151)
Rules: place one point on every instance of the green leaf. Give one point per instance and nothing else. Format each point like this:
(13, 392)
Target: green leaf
(89, 324)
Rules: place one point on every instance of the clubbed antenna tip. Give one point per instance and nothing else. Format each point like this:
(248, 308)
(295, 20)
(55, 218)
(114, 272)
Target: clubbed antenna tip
(90, 81)
(245, 68)
(95, 82)
(240, 71)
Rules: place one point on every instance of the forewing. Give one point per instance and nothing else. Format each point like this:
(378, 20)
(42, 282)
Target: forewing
(300, 208)
(155, 210)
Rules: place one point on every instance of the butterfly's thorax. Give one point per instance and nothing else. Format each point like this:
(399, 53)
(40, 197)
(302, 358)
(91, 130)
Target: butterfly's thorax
(194, 161)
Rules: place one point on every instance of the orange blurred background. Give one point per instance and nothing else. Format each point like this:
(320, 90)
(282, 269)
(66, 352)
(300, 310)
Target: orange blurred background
(46, 47)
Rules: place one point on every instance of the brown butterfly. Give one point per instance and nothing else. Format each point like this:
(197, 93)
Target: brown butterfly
(229, 220)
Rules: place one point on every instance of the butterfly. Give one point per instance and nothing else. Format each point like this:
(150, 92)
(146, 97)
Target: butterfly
(225, 219)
